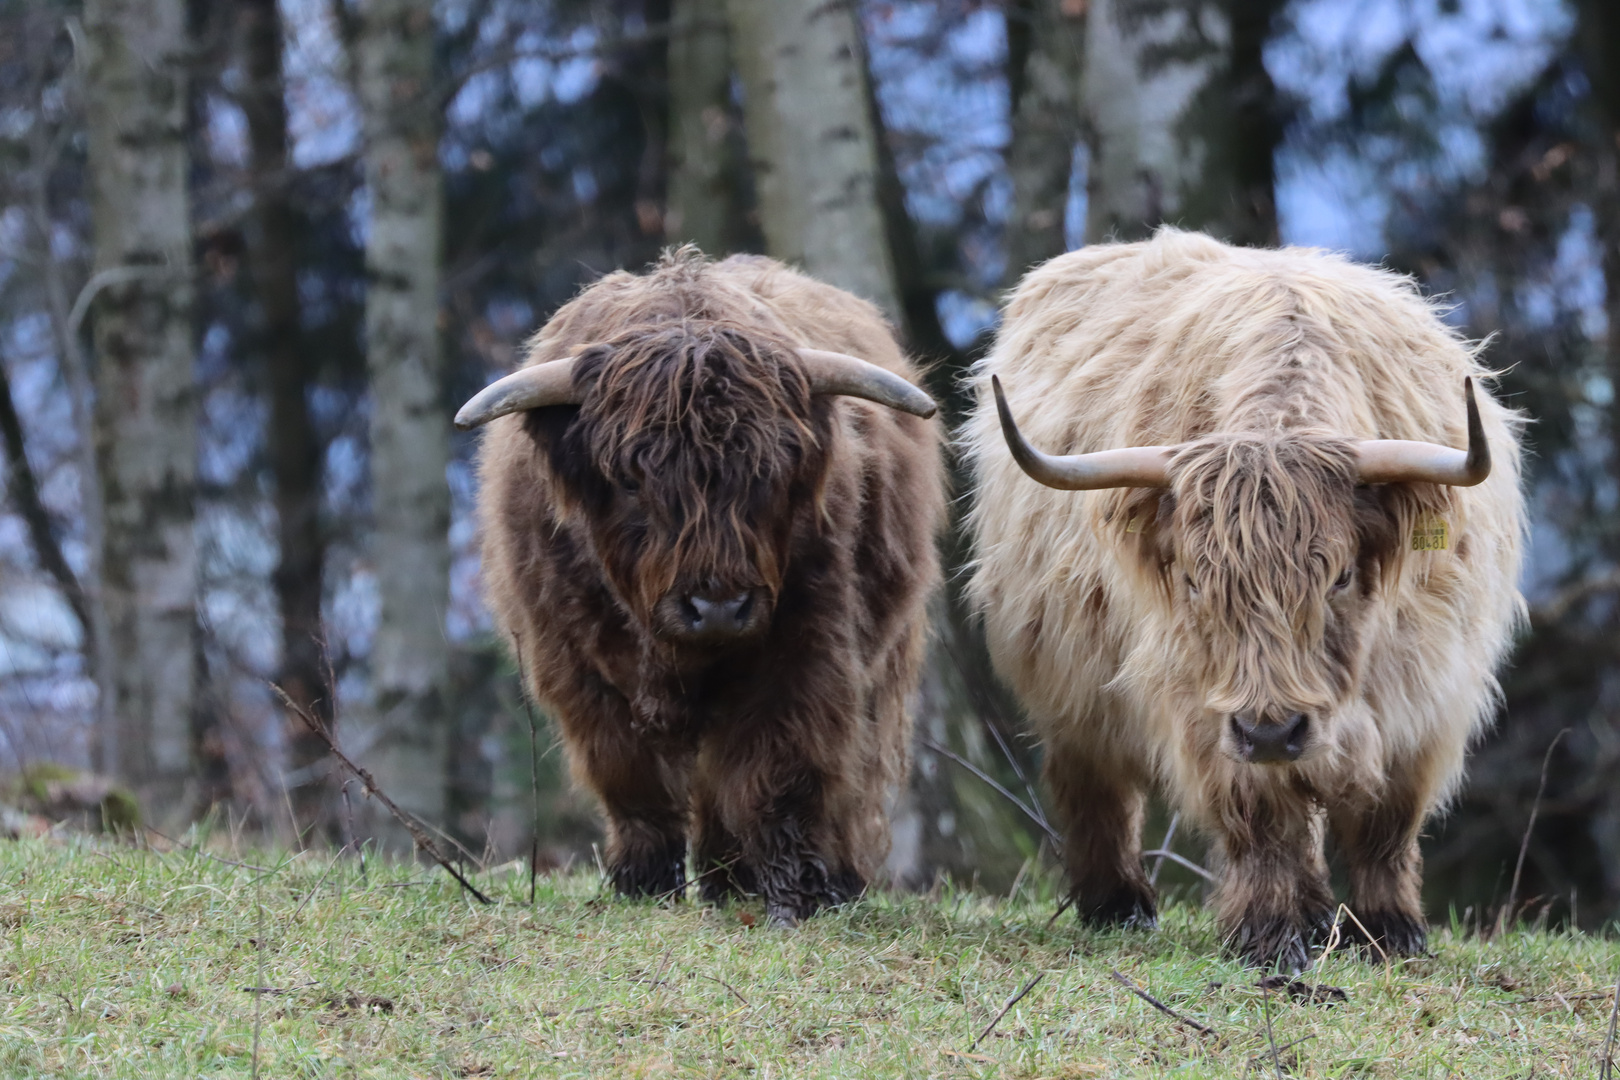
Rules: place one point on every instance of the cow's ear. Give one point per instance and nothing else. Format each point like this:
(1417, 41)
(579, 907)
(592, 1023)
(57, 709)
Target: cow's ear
(1385, 516)
(1145, 515)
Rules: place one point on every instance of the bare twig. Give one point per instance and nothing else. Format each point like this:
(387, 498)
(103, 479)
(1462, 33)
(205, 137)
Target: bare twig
(1558, 605)
(1509, 911)
(319, 883)
(258, 948)
(1271, 1039)
(1051, 833)
(1365, 933)
(1164, 848)
(419, 834)
(348, 812)
(207, 854)
(663, 965)
(1157, 1004)
(990, 717)
(728, 986)
(1179, 860)
(23, 487)
(106, 279)
(534, 773)
(1005, 1009)
(1068, 902)
(1606, 1071)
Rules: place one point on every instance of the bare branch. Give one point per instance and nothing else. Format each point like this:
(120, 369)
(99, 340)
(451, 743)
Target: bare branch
(1165, 853)
(1507, 912)
(1157, 1004)
(419, 834)
(1015, 999)
(1051, 833)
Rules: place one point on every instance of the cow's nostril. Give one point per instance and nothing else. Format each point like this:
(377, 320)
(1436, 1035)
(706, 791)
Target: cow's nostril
(1298, 726)
(1265, 741)
(727, 615)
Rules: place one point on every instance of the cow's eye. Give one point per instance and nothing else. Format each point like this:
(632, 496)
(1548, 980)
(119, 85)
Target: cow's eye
(1342, 582)
(1192, 586)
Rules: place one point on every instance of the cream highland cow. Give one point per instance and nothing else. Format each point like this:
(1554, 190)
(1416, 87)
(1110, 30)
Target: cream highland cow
(1228, 544)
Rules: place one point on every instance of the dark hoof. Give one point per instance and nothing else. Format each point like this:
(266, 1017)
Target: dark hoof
(661, 878)
(1278, 944)
(791, 907)
(1390, 933)
(1126, 907)
(1305, 993)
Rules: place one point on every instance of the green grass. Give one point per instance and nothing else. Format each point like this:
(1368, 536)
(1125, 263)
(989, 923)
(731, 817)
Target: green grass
(124, 962)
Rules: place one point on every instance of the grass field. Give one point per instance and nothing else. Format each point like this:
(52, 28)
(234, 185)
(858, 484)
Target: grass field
(119, 961)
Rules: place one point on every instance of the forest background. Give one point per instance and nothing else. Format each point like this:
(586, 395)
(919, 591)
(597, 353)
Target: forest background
(253, 253)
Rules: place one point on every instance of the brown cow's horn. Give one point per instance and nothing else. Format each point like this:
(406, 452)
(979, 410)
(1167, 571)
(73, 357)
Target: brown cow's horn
(1391, 461)
(1133, 466)
(839, 373)
(551, 383)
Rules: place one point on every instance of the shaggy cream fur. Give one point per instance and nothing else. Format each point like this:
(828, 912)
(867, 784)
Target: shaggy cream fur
(1133, 623)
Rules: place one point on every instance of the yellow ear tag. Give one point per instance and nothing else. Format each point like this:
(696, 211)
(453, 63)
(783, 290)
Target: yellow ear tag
(1134, 525)
(1430, 534)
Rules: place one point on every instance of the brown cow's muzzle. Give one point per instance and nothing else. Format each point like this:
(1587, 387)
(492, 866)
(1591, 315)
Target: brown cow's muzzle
(711, 617)
(1269, 740)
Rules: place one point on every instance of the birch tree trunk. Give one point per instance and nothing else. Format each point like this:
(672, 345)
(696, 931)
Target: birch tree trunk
(410, 438)
(146, 442)
(1045, 53)
(703, 197)
(293, 447)
(811, 142)
(1183, 118)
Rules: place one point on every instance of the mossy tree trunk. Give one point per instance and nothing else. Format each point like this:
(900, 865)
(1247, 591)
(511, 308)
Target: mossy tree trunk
(1183, 118)
(812, 144)
(145, 412)
(410, 435)
(707, 182)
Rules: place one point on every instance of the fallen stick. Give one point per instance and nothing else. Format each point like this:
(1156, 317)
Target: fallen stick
(1015, 999)
(419, 834)
(1157, 1004)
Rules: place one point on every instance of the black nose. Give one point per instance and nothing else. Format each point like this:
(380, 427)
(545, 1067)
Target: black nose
(707, 616)
(1270, 741)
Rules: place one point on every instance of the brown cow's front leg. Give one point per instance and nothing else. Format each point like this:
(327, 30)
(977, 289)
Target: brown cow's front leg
(1099, 809)
(717, 854)
(1380, 848)
(1273, 896)
(774, 800)
(643, 791)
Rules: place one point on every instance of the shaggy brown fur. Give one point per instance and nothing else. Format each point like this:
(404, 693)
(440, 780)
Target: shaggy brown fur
(1138, 624)
(699, 461)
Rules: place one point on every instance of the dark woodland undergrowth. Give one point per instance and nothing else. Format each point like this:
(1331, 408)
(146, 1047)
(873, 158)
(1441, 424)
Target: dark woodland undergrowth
(123, 961)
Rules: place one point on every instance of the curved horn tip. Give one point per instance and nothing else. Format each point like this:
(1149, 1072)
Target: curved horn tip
(1478, 462)
(840, 373)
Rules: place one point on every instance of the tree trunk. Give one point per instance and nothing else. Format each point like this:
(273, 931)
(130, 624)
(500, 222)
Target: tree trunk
(811, 141)
(1183, 118)
(705, 204)
(293, 447)
(410, 438)
(1045, 49)
(146, 438)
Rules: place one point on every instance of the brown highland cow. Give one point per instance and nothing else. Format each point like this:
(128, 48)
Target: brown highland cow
(709, 503)
(1283, 599)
